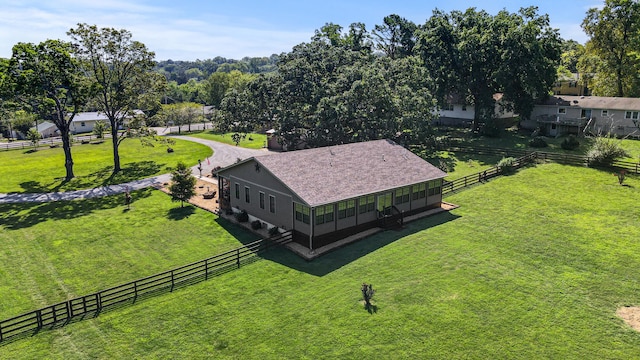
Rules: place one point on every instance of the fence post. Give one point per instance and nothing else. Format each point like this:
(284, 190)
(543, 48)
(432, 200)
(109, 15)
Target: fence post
(0, 332)
(172, 281)
(238, 257)
(39, 318)
(206, 269)
(98, 302)
(135, 291)
(69, 310)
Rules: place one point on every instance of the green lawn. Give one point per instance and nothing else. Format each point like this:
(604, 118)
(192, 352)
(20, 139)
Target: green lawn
(43, 170)
(531, 266)
(56, 251)
(250, 141)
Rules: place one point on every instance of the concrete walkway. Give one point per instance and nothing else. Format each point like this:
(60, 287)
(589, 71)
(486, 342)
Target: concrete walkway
(223, 155)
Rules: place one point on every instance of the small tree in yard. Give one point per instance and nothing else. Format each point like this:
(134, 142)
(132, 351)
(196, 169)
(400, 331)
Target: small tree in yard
(182, 184)
(99, 128)
(33, 136)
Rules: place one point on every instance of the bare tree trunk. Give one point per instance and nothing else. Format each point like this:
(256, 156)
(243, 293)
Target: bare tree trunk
(68, 160)
(116, 154)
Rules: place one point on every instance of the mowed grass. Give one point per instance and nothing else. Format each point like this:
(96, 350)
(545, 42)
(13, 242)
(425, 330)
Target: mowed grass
(531, 266)
(250, 141)
(43, 170)
(56, 251)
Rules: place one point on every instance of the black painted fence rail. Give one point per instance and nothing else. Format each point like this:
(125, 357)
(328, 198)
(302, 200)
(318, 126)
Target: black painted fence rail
(524, 158)
(88, 306)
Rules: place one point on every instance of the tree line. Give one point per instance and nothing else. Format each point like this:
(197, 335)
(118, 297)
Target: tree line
(343, 85)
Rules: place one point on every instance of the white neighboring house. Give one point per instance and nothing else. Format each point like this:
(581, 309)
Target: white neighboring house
(84, 122)
(564, 114)
(456, 112)
(48, 129)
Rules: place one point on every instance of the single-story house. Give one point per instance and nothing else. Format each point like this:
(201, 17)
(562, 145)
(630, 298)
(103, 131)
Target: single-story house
(326, 194)
(456, 112)
(565, 114)
(84, 122)
(48, 129)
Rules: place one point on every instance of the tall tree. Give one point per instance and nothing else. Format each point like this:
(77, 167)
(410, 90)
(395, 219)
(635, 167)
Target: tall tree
(396, 37)
(614, 33)
(48, 78)
(475, 55)
(120, 69)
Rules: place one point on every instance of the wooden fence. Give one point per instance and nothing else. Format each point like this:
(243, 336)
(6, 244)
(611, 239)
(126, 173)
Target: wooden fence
(563, 158)
(88, 306)
(525, 157)
(482, 176)
(53, 141)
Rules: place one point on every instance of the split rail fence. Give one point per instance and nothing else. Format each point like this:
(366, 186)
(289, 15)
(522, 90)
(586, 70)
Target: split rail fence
(524, 158)
(88, 306)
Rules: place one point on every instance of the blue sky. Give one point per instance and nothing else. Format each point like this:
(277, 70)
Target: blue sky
(190, 29)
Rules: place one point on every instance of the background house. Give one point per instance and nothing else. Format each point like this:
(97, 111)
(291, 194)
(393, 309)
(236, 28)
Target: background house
(561, 115)
(326, 194)
(84, 122)
(456, 112)
(47, 129)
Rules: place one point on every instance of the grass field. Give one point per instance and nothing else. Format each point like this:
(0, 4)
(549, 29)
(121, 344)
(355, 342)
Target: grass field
(43, 170)
(531, 266)
(56, 251)
(250, 141)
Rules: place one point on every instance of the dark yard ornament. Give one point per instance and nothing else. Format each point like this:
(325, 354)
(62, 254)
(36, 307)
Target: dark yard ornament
(367, 295)
(127, 199)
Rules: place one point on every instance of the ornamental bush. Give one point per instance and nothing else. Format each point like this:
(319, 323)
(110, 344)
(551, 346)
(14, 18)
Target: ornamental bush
(506, 165)
(242, 216)
(570, 143)
(538, 142)
(256, 224)
(604, 151)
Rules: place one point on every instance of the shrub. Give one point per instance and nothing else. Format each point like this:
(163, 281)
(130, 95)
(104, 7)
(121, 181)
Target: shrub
(273, 231)
(570, 143)
(256, 224)
(605, 150)
(242, 216)
(506, 165)
(538, 142)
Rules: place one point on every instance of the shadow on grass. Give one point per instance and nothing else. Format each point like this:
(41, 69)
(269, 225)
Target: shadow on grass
(102, 177)
(334, 260)
(180, 213)
(23, 215)
(243, 235)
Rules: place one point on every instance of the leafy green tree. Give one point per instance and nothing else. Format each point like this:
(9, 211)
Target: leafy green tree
(396, 36)
(614, 32)
(120, 70)
(34, 137)
(183, 184)
(22, 121)
(180, 114)
(99, 129)
(475, 55)
(48, 77)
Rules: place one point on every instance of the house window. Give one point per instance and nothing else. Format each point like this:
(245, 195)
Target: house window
(605, 113)
(261, 200)
(302, 213)
(324, 214)
(435, 187)
(464, 107)
(367, 204)
(631, 115)
(272, 204)
(247, 198)
(419, 191)
(448, 107)
(384, 202)
(82, 123)
(346, 209)
(402, 195)
(237, 191)
(562, 110)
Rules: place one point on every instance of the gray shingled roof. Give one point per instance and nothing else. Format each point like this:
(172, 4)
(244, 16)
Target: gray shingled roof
(329, 174)
(594, 102)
